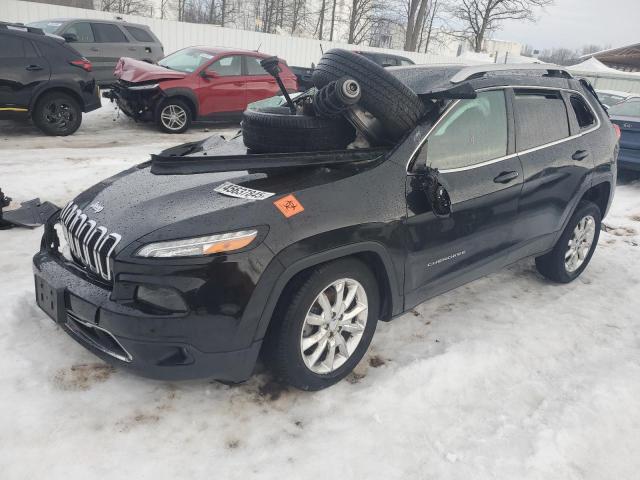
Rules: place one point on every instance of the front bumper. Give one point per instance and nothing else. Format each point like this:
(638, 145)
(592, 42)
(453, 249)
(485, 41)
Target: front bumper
(137, 104)
(126, 337)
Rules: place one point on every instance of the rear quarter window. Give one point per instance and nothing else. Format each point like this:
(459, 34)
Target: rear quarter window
(541, 118)
(140, 34)
(585, 117)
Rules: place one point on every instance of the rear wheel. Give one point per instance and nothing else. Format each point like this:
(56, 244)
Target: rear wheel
(57, 113)
(574, 249)
(325, 323)
(173, 116)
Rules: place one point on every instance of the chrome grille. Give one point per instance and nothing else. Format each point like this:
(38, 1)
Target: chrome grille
(91, 245)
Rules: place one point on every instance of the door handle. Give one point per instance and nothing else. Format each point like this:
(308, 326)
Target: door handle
(94, 49)
(33, 68)
(506, 177)
(238, 84)
(580, 155)
(132, 49)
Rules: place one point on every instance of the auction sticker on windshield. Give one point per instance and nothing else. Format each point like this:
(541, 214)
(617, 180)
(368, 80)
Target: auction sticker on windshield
(238, 191)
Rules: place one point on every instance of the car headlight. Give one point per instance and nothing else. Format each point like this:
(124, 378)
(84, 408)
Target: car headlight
(144, 87)
(198, 246)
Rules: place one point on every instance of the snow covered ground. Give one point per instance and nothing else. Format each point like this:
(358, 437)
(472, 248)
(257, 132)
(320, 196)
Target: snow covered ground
(509, 377)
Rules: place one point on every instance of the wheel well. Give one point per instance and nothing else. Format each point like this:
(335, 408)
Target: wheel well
(372, 260)
(188, 101)
(67, 91)
(599, 194)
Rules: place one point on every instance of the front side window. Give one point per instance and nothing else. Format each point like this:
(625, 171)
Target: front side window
(109, 33)
(82, 31)
(584, 115)
(629, 108)
(187, 60)
(473, 132)
(227, 66)
(254, 67)
(541, 118)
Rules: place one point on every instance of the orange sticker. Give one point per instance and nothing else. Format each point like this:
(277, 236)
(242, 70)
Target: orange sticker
(289, 206)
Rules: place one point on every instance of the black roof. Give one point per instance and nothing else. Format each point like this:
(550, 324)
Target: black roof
(424, 79)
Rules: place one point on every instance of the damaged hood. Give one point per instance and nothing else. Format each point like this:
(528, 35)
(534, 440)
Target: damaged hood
(144, 207)
(136, 71)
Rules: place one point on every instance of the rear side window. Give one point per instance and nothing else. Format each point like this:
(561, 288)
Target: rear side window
(254, 67)
(82, 31)
(15, 47)
(474, 131)
(541, 118)
(140, 34)
(108, 33)
(584, 115)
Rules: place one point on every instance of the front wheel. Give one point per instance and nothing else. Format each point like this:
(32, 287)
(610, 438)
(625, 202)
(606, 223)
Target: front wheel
(574, 249)
(173, 116)
(325, 325)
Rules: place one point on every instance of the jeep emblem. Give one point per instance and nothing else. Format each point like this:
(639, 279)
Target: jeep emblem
(97, 207)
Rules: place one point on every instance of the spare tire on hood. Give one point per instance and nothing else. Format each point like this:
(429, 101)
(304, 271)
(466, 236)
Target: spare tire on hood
(276, 130)
(394, 104)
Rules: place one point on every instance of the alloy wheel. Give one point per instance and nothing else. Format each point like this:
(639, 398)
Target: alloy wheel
(173, 117)
(334, 325)
(59, 114)
(580, 243)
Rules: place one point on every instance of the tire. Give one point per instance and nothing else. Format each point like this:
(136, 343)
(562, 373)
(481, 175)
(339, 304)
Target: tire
(557, 265)
(284, 342)
(57, 113)
(275, 130)
(394, 104)
(173, 115)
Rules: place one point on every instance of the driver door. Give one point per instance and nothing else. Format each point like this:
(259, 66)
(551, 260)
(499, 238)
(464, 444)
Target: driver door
(472, 148)
(222, 87)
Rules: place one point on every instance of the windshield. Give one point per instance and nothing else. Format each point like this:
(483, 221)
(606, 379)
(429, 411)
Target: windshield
(48, 27)
(630, 108)
(187, 60)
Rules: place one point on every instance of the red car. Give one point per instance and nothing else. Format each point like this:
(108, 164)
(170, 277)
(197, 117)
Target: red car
(194, 84)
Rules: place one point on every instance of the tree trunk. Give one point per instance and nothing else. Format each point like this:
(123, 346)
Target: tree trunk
(333, 19)
(352, 21)
(321, 20)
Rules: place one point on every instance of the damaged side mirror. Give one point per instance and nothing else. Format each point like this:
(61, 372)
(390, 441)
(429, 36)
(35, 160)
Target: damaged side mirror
(435, 190)
(437, 194)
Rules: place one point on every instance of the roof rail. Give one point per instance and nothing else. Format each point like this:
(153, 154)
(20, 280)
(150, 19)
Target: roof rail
(21, 26)
(477, 71)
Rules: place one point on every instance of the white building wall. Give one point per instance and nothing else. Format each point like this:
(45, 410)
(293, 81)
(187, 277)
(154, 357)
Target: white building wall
(176, 35)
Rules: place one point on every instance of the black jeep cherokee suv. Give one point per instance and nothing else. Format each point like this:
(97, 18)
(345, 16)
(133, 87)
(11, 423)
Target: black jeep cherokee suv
(192, 264)
(44, 78)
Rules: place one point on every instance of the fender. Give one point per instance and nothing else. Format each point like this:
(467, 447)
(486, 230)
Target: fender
(270, 296)
(183, 92)
(57, 84)
(586, 186)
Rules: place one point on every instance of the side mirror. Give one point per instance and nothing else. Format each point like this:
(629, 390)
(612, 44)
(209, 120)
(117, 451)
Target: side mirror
(437, 194)
(70, 37)
(209, 74)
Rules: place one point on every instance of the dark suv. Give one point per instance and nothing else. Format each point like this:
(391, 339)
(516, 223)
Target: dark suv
(192, 264)
(44, 78)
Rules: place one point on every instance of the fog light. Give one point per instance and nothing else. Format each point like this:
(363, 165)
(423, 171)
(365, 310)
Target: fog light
(163, 298)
